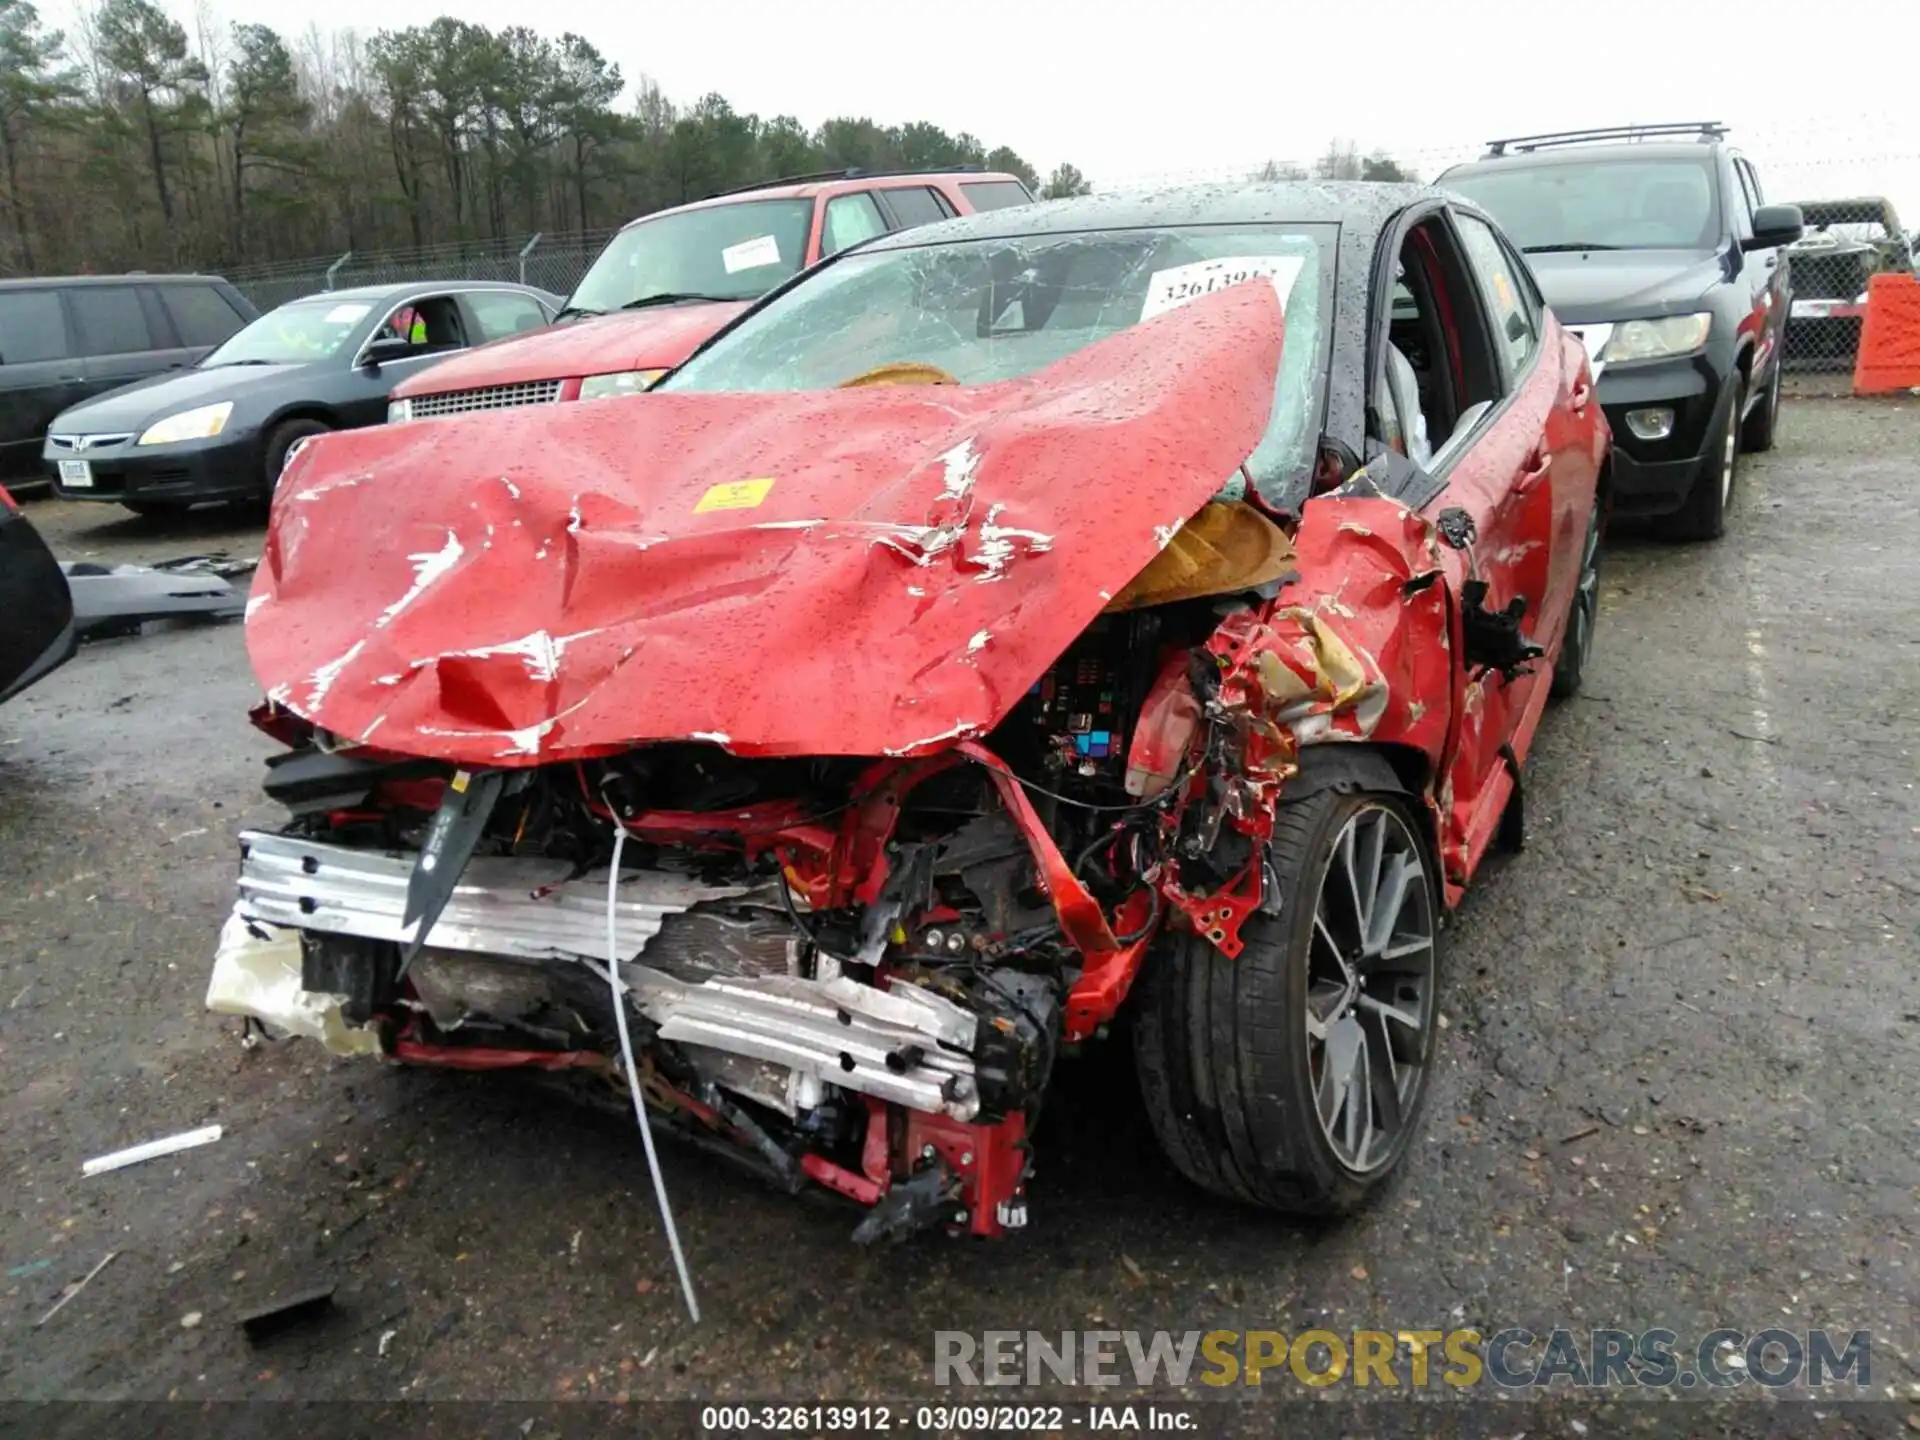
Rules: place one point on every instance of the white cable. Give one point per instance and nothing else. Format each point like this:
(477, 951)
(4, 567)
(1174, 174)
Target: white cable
(633, 1076)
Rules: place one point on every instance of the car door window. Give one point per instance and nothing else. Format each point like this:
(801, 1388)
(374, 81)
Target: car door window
(429, 325)
(915, 205)
(1750, 182)
(500, 313)
(850, 219)
(110, 320)
(33, 327)
(200, 314)
(1516, 329)
(995, 194)
(1435, 321)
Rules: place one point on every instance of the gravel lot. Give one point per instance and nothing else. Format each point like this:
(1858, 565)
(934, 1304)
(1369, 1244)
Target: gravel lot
(1705, 960)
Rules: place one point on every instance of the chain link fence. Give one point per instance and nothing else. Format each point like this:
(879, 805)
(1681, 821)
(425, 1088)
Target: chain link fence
(551, 262)
(1846, 243)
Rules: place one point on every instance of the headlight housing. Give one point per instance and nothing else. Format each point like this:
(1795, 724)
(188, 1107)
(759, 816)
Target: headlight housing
(621, 382)
(201, 424)
(399, 411)
(1657, 339)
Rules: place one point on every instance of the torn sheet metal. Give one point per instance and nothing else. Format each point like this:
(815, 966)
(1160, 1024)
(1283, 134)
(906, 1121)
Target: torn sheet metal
(800, 572)
(256, 972)
(113, 599)
(1358, 646)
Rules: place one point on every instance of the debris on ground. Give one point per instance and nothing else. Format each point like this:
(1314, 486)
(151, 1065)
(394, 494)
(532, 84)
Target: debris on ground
(75, 1289)
(120, 599)
(283, 1314)
(1581, 1134)
(152, 1150)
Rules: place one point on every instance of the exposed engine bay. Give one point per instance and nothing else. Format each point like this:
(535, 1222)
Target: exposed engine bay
(839, 971)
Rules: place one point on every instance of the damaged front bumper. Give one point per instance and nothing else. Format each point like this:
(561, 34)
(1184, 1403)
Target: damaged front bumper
(903, 1044)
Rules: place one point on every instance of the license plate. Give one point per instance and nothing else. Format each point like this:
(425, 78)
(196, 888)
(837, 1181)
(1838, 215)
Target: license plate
(76, 474)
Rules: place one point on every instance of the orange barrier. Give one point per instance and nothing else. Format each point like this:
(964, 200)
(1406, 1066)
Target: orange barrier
(1889, 358)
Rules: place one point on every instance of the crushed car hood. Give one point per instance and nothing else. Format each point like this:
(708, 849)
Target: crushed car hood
(865, 571)
(657, 339)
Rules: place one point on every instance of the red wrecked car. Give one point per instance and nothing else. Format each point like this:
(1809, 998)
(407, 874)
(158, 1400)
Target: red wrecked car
(1122, 609)
(669, 280)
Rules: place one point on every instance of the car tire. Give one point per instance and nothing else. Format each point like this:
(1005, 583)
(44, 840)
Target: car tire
(280, 442)
(1583, 615)
(1704, 515)
(1756, 434)
(1236, 1082)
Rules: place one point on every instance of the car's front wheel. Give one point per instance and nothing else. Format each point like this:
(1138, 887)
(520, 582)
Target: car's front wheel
(1293, 1075)
(280, 445)
(1704, 516)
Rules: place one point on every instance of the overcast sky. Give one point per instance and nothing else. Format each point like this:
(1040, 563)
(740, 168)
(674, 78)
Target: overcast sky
(1820, 95)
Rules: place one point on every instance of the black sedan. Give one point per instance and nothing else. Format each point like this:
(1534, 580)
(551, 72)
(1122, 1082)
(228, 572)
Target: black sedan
(223, 429)
(38, 632)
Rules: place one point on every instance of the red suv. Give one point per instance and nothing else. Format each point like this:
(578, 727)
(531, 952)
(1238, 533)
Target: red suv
(668, 281)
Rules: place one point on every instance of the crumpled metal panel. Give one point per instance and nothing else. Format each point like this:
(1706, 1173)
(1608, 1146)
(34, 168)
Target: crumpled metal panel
(868, 571)
(521, 907)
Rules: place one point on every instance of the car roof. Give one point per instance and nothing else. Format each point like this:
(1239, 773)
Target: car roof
(138, 277)
(1580, 154)
(835, 184)
(1361, 205)
(376, 294)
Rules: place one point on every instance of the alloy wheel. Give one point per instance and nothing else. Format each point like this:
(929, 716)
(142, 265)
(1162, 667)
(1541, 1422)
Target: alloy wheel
(1370, 987)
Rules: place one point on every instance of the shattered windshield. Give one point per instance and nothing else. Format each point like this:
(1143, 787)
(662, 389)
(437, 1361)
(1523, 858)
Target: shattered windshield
(1631, 204)
(719, 252)
(989, 310)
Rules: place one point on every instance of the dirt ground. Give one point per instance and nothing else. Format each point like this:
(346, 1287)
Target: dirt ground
(1703, 966)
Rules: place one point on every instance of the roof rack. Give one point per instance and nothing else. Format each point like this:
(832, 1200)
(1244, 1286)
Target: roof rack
(853, 173)
(1705, 130)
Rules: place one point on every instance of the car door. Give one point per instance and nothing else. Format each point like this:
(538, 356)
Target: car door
(124, 335)
(369, 382)
(1765, 272)
(1491, 396)
(39, 374)
(1524, 330)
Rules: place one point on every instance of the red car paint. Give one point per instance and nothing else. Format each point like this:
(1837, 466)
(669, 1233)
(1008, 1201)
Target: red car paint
(655, 339)
(643, 340)
(799, 632)
(883, 571)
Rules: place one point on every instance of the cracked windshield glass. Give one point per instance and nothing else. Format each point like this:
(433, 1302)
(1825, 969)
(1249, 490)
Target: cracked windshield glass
(989, 310)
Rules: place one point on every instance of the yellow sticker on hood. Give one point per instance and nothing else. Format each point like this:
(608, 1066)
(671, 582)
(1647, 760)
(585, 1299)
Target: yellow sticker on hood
(734, 495)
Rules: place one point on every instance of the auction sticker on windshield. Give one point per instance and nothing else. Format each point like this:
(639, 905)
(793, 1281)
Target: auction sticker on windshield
(751, 254)
(346, 314)
(1167, 289)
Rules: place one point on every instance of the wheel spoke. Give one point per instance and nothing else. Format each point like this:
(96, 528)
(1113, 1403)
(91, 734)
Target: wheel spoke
(1370, 865)
(1387, 907)
(1359, 1101)
(1389, 1012)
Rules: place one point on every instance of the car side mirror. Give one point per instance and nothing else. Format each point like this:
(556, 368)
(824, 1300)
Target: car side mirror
(1775, 225)
(384, 350)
